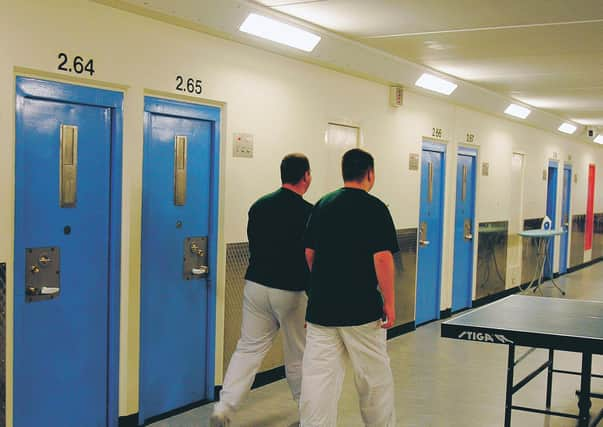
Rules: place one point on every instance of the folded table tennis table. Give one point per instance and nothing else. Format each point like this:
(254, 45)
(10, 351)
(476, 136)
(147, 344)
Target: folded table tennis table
(538, 322)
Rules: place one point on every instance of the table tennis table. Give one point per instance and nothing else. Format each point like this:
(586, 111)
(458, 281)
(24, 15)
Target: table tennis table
(538, 322)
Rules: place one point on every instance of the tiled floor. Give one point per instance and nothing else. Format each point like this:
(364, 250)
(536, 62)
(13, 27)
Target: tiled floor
(442, 382)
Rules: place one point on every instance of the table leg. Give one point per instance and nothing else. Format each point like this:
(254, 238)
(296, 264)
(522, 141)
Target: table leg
(549, 380)
(584, 402)
(509, 395)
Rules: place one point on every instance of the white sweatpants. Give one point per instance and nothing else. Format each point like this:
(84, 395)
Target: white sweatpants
(324, 370)
(265, 310)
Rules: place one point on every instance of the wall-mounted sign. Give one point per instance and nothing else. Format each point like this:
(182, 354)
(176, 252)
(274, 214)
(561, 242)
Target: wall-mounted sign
(470, 138)
(413, 161)
(76, 64)
(189, 85)
(485, 168)
(437, 132)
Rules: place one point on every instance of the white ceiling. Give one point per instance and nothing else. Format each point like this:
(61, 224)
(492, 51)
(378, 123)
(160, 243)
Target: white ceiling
(546, 53)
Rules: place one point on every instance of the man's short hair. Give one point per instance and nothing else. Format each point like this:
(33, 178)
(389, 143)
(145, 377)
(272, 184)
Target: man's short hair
(293, 168)
(355, 164)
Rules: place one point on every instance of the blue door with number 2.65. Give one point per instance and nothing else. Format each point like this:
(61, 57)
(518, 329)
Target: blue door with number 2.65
(179, 251)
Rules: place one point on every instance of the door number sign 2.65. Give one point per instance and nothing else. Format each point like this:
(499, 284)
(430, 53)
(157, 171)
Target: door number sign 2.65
(77, 64)
(190, 85)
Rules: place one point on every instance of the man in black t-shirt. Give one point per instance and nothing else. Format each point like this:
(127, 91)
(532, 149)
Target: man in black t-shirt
(276, 281)
(350, 241)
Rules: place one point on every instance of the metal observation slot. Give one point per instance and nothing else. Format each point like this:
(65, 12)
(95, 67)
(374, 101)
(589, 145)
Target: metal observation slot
(180, 162)
(464, 188)
(68, 167)
(430, 184)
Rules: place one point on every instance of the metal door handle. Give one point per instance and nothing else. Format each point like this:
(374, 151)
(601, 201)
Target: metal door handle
(468, 236)
(44, 290)
(424, 242)
(199, 271)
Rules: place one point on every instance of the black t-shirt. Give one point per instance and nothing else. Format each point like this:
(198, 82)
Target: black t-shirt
(275, 231)
(346, 228)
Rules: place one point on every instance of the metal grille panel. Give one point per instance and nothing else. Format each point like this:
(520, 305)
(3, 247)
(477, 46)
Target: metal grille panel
(529, 250)
(491, 258)
(577, 244)
(598, 236)
(2, 344)
(237, 260)
(406, 273)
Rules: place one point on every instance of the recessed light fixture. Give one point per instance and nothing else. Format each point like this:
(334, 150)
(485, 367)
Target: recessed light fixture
(517, 111)
(567, 128)
(436, 84)
(279, 32)
(599, 139)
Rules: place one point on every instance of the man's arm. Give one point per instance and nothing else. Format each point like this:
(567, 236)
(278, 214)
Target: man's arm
(384, 267)
(310, 258)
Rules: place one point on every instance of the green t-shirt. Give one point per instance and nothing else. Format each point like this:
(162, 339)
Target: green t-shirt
(346, 228)
(275, 230)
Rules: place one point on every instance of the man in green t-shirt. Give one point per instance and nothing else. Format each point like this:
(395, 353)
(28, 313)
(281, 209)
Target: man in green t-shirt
(350, 241)
(275, 287)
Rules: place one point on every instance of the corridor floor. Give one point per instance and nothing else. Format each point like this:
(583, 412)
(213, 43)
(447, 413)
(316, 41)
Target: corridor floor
(442, 382)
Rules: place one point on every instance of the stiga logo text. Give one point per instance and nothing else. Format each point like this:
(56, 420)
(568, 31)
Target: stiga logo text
(484, 337)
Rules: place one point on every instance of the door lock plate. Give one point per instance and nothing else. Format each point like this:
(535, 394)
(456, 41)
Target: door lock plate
(195, 258)
(42, 273)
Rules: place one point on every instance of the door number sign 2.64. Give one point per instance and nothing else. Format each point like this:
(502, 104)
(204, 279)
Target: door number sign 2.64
(190, 85)
(77, 64)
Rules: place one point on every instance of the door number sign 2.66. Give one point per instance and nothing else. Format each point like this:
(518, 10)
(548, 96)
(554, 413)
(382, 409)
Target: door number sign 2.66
(77, 64)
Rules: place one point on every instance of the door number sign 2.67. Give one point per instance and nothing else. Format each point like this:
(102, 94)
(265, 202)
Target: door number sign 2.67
(77, 64)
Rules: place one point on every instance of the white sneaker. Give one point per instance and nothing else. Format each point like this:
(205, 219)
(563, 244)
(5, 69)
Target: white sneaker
(221, 415)
(219, 419)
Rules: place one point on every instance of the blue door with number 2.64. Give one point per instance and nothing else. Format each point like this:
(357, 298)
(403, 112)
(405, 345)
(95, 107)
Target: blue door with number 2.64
(67, 216)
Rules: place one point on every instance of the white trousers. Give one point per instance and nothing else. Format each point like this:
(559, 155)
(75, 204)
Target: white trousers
(324, 370)
(265, 310)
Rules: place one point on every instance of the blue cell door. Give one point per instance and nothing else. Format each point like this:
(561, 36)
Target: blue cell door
(551, 212)
(62, 356)
(464, 225)
(565, 215)
(177, 225)
(430, 234)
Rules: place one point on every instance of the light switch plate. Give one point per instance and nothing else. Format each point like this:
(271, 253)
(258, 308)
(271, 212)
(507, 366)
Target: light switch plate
(242, 145)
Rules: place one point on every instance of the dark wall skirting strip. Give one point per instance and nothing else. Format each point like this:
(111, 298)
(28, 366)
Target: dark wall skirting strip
(174, 412)
(267, 377)
(496, 296)
(396, 331)
(128, 421)
(586, 264)
(444, 314)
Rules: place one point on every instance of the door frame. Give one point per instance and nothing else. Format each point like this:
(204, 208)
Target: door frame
(441, 147)
(472, 152)
(552, 252)
(43, 89)
(166, 106)
(567, 167)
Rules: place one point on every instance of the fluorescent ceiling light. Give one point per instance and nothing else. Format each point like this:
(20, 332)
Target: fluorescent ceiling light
(279, 32)
(431, 82)
(517, 111)
(567, 128)
(599, 139)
